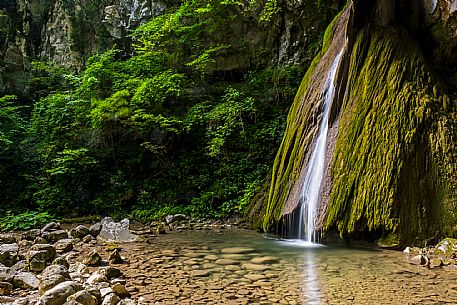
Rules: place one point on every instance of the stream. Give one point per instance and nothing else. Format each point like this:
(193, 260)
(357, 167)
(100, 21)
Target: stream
(235, 266)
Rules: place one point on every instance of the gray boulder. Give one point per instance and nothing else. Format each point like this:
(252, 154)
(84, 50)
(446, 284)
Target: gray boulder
(83, 297)
(52, 276)
(7, 238)
(111, 299)
(39, 255)
(79, 232)
(61, 261)
(55, 236)
(95, 229)
(31, 234)
(59, 294)
(92, 259)
(116, 231)
(26, 280)
(6, 274)
(8, 254)
(52, 226)
(64, 245)
(175, 218)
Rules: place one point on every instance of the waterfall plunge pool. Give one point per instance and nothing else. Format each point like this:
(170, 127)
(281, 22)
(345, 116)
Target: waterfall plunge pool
(234, 266)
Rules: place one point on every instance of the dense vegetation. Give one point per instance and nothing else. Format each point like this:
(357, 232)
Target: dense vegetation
(161, 131)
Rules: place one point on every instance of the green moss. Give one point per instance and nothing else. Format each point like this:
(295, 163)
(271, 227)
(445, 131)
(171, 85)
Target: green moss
(383, 174)
(298, 136)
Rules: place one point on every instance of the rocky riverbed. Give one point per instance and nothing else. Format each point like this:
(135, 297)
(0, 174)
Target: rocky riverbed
(204, 263)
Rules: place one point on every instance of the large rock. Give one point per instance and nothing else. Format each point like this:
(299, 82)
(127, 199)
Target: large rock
(39, 255)
(52, 276)
(95, 229)
(116, 231)
(26, 280)
(59, 294)
(31, 234)
(64, 245)
(92, 259)
(6, 274)
(83, 297)
(110, 299)
(52, 226)
(175, 218)
(7, 238)
(79, 232)
(55, 236)
(8, 254)
(446, 248)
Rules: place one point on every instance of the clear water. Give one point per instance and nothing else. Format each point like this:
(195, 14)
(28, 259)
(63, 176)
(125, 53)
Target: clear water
(315, 169)
(303, 273)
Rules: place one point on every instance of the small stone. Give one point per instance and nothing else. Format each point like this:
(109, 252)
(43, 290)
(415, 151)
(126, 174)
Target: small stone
(6, 274)
(31, 234)
(92, 259)
(61, 261)
(265, 260)
(5, 288)
(255, 277)
(237, 250)
(436, 263)
(200, 273)
(88, 238)
(255, 267)
(105, 291)
(120, 290)
(226, 261)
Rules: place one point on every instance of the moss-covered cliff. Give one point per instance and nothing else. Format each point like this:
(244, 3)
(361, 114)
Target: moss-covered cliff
(391, 155)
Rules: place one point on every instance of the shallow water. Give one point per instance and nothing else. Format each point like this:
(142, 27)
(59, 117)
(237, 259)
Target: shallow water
(198, 267)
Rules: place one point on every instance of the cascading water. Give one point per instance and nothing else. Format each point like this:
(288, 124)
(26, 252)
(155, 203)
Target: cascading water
(315, 170)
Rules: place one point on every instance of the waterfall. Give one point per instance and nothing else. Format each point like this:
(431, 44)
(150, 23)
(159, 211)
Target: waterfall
(315, 169)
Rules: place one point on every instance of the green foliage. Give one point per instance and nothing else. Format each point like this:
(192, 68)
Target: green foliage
(24, 221)
(162, 131)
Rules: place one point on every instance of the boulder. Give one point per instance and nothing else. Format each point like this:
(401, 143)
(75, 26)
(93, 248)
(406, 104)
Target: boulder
(96, 278)
(6, 274)
(115, 257)
(52, 276)
(110, 299)
(88, 238)
(40, 240)
(8, 254)
(39, 255)
(31, 234)
(95, 293)
(26, 280)
(446, 248)
(116, 231)
(92, 259)
(55, 236)
(64, 245)
(83, 297)
(418, 260)
(6, 288)
(169, 219)
(61, 261)
(52, 226)
(7, 238)
(59, 294)
(95, 229)
(120, 291)
(110, 272)
(79, 232)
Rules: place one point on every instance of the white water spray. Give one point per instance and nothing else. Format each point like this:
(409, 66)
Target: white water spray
(315, 170)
